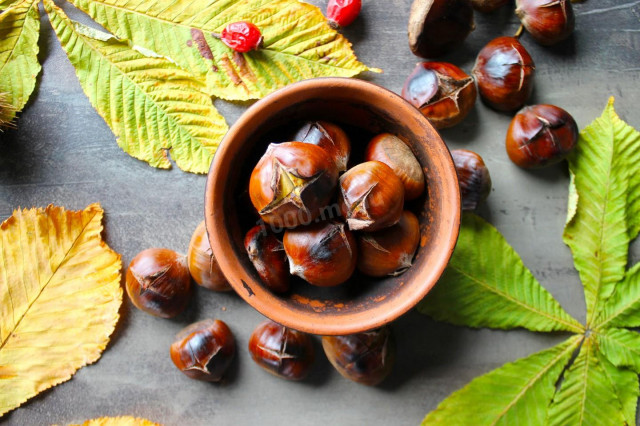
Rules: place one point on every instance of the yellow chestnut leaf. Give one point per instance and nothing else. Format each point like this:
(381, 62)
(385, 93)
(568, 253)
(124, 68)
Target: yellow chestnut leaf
(118, 421)
(59, 298)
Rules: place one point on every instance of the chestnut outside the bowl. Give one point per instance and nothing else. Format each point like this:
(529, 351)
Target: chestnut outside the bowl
(364, 110)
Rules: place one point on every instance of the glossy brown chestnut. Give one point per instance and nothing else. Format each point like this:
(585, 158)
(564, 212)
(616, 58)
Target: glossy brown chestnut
(267, 255)
(329, 137)
(486, 6)
(548, 21)
(371, 196)
(323, 254)
(389, 251)
(473, 178)
(504, 73)
(436, 26)
(392, 151)
(203, 265)
(441, 91)
(291, 183)
(541, 135)
(365, 358)
(282, 351)
(158, 282)
(204, 350)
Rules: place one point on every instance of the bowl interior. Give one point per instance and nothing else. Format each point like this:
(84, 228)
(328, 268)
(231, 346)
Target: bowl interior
(363, 110)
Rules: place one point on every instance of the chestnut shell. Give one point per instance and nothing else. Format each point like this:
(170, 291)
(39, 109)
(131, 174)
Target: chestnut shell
(548, 21)
(267, 254)
(203, 265)
(329, 137)
(473, 178)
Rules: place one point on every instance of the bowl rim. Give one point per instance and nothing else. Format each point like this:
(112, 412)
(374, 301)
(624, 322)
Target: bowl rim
(264, 301)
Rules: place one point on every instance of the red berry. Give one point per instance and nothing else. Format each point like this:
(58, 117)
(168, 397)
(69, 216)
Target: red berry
(343, 12)
(241, 36)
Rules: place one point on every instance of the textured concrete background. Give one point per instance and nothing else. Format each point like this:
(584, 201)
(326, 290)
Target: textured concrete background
(64, 153)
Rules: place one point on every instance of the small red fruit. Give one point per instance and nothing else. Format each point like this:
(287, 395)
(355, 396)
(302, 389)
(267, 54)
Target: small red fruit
(341, 13)
(241, 36)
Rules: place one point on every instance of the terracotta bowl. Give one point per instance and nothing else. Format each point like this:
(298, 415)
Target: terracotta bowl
(364, 110)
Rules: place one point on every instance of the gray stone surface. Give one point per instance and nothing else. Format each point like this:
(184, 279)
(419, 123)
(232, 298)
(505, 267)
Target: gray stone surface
(64, 153)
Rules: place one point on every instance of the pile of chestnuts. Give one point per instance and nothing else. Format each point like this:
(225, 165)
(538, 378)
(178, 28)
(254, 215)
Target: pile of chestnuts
(322, 220)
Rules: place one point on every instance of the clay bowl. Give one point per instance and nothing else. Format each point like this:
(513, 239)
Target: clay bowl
(364, 110)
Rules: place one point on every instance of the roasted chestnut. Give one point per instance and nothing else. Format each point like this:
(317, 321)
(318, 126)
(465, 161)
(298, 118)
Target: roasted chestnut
(323, 254)
(389, 251)
(203, 265)
(291, 183)
(158, 282)
(441, 91)
(371, 196)
(473, 178)
(541, 135)
(548, 21)
(486, 6)
(204, 350)
(365, 358)
(504, 73)
(329, 137)
(392, 151)
(282, 351)
(268, 257)
(436, 26)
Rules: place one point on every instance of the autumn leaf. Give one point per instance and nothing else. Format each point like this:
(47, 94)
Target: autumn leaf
(59, 298)
(118, 421)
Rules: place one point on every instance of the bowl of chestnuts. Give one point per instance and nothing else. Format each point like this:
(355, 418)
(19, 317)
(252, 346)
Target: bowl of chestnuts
(332, 206)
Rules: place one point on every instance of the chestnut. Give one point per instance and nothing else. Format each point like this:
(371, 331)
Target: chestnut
(365, 358)
(323, 254)
(541, 135)
(158, 282)
(328, 136)
(486, 6)
(267, 254)
(436, 26)
(291, 183)
(282, 351)
(371, 196)
(389, 251)
(548, 21)
(204, 350)
(473, 178)
(504, 73)
(203, 265)
(441, 91)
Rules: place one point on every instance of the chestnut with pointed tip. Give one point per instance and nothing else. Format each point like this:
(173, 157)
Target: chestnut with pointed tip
(282, 351)
(504, 72)
(548, 21)
(291, 183)
(486, 6)
(158, 282)
(389, 251)
(371, 196)
(365, 358)
(441, 91)
(204, 350)
(473, 178)
(541, 135)
(268, 257)
(203, 265)
(323, 254)
(329, 137)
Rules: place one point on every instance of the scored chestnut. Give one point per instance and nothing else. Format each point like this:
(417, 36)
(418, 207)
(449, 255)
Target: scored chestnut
(204, 350)
(203, 265)
(291, 183)
(365, 358)
(441, 91)
(486, 6)
(323, 254)
(541, 135)
(371, 196)
(268, 257)
(329, 137)
(548, 21)
(504, 72)
(282, 351)
(158, 282)
(473, 178)
(389, 251)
